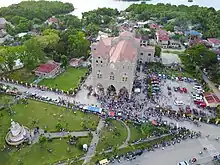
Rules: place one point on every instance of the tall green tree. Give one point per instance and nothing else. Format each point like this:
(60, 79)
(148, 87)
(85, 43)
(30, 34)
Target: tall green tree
(33, 54)
(64, 61)
(157, 51)
(78, 45)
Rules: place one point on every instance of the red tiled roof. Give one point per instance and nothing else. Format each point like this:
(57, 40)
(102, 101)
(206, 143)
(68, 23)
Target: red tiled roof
(47, 68)
(75, 61)
(211, 98)
(213, 40)
(163, 35)
(53, 19)
(122, 49)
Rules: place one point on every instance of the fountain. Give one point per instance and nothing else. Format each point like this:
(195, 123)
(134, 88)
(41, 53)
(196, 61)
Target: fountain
(17, 134)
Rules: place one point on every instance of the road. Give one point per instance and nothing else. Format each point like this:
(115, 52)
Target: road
(174, 154)
(81, 96)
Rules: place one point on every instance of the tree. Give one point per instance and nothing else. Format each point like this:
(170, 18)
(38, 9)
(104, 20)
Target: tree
(78, 45)
(64, 61)
(157, 51)
(59, 126)
(92, 29)
(33, 54)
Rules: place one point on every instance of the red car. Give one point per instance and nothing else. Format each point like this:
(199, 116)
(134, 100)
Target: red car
(203, 105)
(198, 102)
(184, 90)
(181, 90)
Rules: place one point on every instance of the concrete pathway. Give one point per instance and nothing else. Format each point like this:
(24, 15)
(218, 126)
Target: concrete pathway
(128, 136)
(65, 134)
(94, 142)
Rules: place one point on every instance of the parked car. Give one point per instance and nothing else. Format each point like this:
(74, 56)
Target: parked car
(203, 105)
(185, 90)
(175, 89)
(178, 102)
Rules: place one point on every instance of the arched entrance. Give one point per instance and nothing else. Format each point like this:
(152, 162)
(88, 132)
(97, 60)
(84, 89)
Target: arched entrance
(123, 93)
(111, 91)
(99, 89)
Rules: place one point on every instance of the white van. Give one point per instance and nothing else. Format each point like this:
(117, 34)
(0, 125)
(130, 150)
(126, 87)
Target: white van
(178, 102)
(197, 87)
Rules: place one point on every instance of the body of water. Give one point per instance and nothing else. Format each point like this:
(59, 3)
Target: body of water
(87, 5)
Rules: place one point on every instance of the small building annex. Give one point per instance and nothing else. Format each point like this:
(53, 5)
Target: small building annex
(48, 70)
(211, 100)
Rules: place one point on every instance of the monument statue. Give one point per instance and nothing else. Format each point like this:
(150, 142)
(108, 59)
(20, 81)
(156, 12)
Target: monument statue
(17, 134)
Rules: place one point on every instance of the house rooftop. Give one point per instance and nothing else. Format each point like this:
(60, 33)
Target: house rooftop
(214, 41)
(163, 35)
(48, 67)
(211, 98)
(193, 33)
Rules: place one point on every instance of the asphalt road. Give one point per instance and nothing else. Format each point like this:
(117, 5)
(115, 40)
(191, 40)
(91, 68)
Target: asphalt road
(180, 152)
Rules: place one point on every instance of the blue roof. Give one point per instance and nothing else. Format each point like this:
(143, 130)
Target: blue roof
(93, 109)
(193, 33)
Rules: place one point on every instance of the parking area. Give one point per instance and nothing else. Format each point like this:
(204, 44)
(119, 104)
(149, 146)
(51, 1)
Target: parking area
(179, 94)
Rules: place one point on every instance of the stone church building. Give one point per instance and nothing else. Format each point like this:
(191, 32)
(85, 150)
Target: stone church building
(114, 61)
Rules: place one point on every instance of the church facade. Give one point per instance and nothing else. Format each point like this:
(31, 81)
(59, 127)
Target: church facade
(114, 61)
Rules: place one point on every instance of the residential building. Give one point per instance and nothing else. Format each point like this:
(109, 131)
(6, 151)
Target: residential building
(174, 44)
(162, 37)
(18, 64)
(48, 70)
(114, 61)
(52, 20)
(211, 100)
(2, 23)
(215, 43)
(76, 62)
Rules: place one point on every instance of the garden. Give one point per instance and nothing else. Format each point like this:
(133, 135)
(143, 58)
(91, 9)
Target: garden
(70, 79)
(48, 117)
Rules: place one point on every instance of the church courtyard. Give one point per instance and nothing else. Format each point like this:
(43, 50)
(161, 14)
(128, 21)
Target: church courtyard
(52, 119)
(70, 79)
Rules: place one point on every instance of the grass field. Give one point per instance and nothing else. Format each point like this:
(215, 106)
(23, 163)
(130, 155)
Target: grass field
(5, 99)
(37, 155)
(44, 115)
(136, 133)
(21, 75)
(112, 135)
(69, 79)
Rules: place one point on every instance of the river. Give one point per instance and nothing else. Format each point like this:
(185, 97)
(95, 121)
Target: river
(86, 5)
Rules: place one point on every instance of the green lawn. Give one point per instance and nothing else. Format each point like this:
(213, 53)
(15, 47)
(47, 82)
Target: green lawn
(136, 133)
(112, 135)
(37, 155)
(69, 79)
(49, 115)
(21, 75)
(44, 115)
(5, 99)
